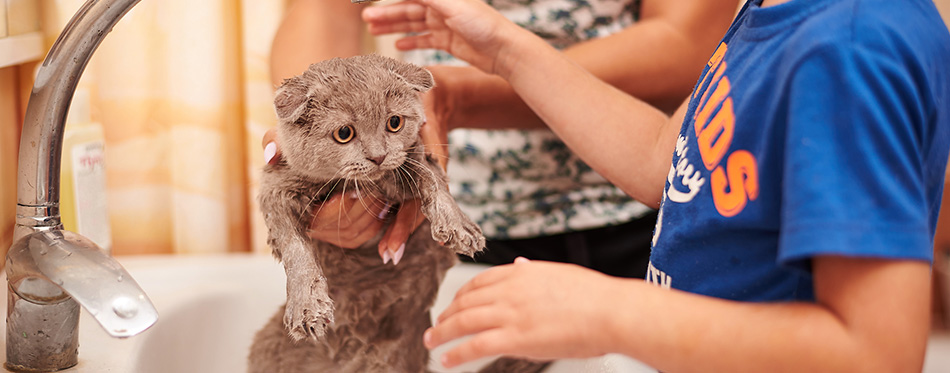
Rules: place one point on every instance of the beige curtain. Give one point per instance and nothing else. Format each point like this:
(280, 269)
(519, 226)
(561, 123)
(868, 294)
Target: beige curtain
(182, 90)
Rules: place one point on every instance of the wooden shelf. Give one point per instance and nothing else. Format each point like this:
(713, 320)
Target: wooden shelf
(15, 50)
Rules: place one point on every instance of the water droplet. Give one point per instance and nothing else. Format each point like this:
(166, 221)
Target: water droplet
(125, 308)
(120, 278)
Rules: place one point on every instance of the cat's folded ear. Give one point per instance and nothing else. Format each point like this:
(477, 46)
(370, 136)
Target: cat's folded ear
(291, 99)
(416, 76)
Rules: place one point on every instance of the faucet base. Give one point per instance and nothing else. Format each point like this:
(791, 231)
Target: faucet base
(40, 346)
(14, 368)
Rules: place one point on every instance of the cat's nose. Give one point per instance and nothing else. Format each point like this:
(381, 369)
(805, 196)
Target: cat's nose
(377, 160)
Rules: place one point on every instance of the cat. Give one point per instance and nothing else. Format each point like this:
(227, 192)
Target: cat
(352, 125)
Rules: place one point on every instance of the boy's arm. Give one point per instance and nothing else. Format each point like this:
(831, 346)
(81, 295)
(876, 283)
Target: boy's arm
(870, 315)
(656, 59)
(312, 31)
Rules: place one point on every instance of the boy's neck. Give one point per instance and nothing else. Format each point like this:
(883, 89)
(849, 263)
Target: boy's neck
(768, 3)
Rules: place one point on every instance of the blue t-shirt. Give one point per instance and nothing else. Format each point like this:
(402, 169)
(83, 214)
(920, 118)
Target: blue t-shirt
(819, 127)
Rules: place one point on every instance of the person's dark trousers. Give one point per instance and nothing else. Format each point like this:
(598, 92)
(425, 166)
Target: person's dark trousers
(620, 250)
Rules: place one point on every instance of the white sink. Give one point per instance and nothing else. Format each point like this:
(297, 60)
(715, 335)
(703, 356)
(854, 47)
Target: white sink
(211, 306)
(209, 309)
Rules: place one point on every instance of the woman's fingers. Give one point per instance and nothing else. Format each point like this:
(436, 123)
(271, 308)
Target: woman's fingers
(271, 149)
(393, 244)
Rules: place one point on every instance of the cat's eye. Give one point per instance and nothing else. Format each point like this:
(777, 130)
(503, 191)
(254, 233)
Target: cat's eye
(344, 134)
(394, 124)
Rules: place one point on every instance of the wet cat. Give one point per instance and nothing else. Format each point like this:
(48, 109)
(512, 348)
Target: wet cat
(353, 125)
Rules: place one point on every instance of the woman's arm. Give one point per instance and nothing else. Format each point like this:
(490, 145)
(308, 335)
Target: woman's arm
(870, 315)
(312, 31)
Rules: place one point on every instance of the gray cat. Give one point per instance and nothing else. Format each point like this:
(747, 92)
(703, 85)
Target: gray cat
(353, 125)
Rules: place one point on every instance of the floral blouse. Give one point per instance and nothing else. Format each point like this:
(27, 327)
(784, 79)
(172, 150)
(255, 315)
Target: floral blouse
(527, 183)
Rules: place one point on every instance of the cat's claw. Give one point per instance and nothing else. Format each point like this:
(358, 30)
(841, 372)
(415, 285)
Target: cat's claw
(308, 317)
(465, 240)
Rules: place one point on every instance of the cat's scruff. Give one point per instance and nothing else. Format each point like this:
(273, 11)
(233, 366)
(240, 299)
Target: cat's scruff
(352, 125)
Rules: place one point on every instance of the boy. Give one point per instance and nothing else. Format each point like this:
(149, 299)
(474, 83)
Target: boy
(798, 209)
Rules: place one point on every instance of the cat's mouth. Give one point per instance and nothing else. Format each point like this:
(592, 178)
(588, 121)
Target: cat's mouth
(364, 172)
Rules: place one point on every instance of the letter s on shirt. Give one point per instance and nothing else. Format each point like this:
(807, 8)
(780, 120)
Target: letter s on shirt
(740, 178)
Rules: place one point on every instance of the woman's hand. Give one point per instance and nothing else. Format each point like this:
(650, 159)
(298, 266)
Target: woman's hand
(529, 309)
(349, 220)
(468, 29)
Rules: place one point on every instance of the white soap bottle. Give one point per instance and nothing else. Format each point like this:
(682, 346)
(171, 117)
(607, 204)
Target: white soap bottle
(83, 179)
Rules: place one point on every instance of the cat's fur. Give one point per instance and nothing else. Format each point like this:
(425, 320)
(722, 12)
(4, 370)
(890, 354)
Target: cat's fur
(346, 311)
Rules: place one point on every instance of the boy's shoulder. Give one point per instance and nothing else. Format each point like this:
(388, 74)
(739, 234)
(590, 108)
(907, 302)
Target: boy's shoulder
(881, 23)
(909, 31)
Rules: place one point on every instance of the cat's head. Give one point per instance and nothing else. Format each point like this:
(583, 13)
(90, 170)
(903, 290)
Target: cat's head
(354, 118)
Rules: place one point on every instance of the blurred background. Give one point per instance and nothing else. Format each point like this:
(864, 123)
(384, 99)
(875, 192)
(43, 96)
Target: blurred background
(182, 94)
(179, 94)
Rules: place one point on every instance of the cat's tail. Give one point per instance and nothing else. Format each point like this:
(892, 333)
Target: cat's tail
(512, 365)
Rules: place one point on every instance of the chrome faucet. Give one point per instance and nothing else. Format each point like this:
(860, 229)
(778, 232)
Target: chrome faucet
(50, 271)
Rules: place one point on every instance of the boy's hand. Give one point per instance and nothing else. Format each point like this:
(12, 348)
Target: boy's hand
(350, 220)
(530, 309)
(468, 29)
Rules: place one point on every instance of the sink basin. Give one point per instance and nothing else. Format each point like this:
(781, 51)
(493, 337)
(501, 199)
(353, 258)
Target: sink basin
(211, 306)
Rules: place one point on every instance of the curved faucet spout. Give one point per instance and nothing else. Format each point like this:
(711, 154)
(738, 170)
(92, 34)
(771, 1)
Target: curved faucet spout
(41, 141)
(50, 266)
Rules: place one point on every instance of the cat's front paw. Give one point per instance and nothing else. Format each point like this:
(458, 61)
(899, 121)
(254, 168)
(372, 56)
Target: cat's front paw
(463, 238)
(308, 316)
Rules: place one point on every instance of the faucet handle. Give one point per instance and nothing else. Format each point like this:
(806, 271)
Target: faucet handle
(50, 266)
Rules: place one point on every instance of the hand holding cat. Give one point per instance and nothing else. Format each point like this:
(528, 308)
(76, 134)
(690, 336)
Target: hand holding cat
(344, 221)
(530, 309)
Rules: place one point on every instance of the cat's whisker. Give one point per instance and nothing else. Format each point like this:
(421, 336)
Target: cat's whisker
(375, 201)
(334, 179)
(313, 198)
(422, 166)
(386, 204)
(442, 156)
(339, 218)
(402, 180)
(409, 184)
(413, 186)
